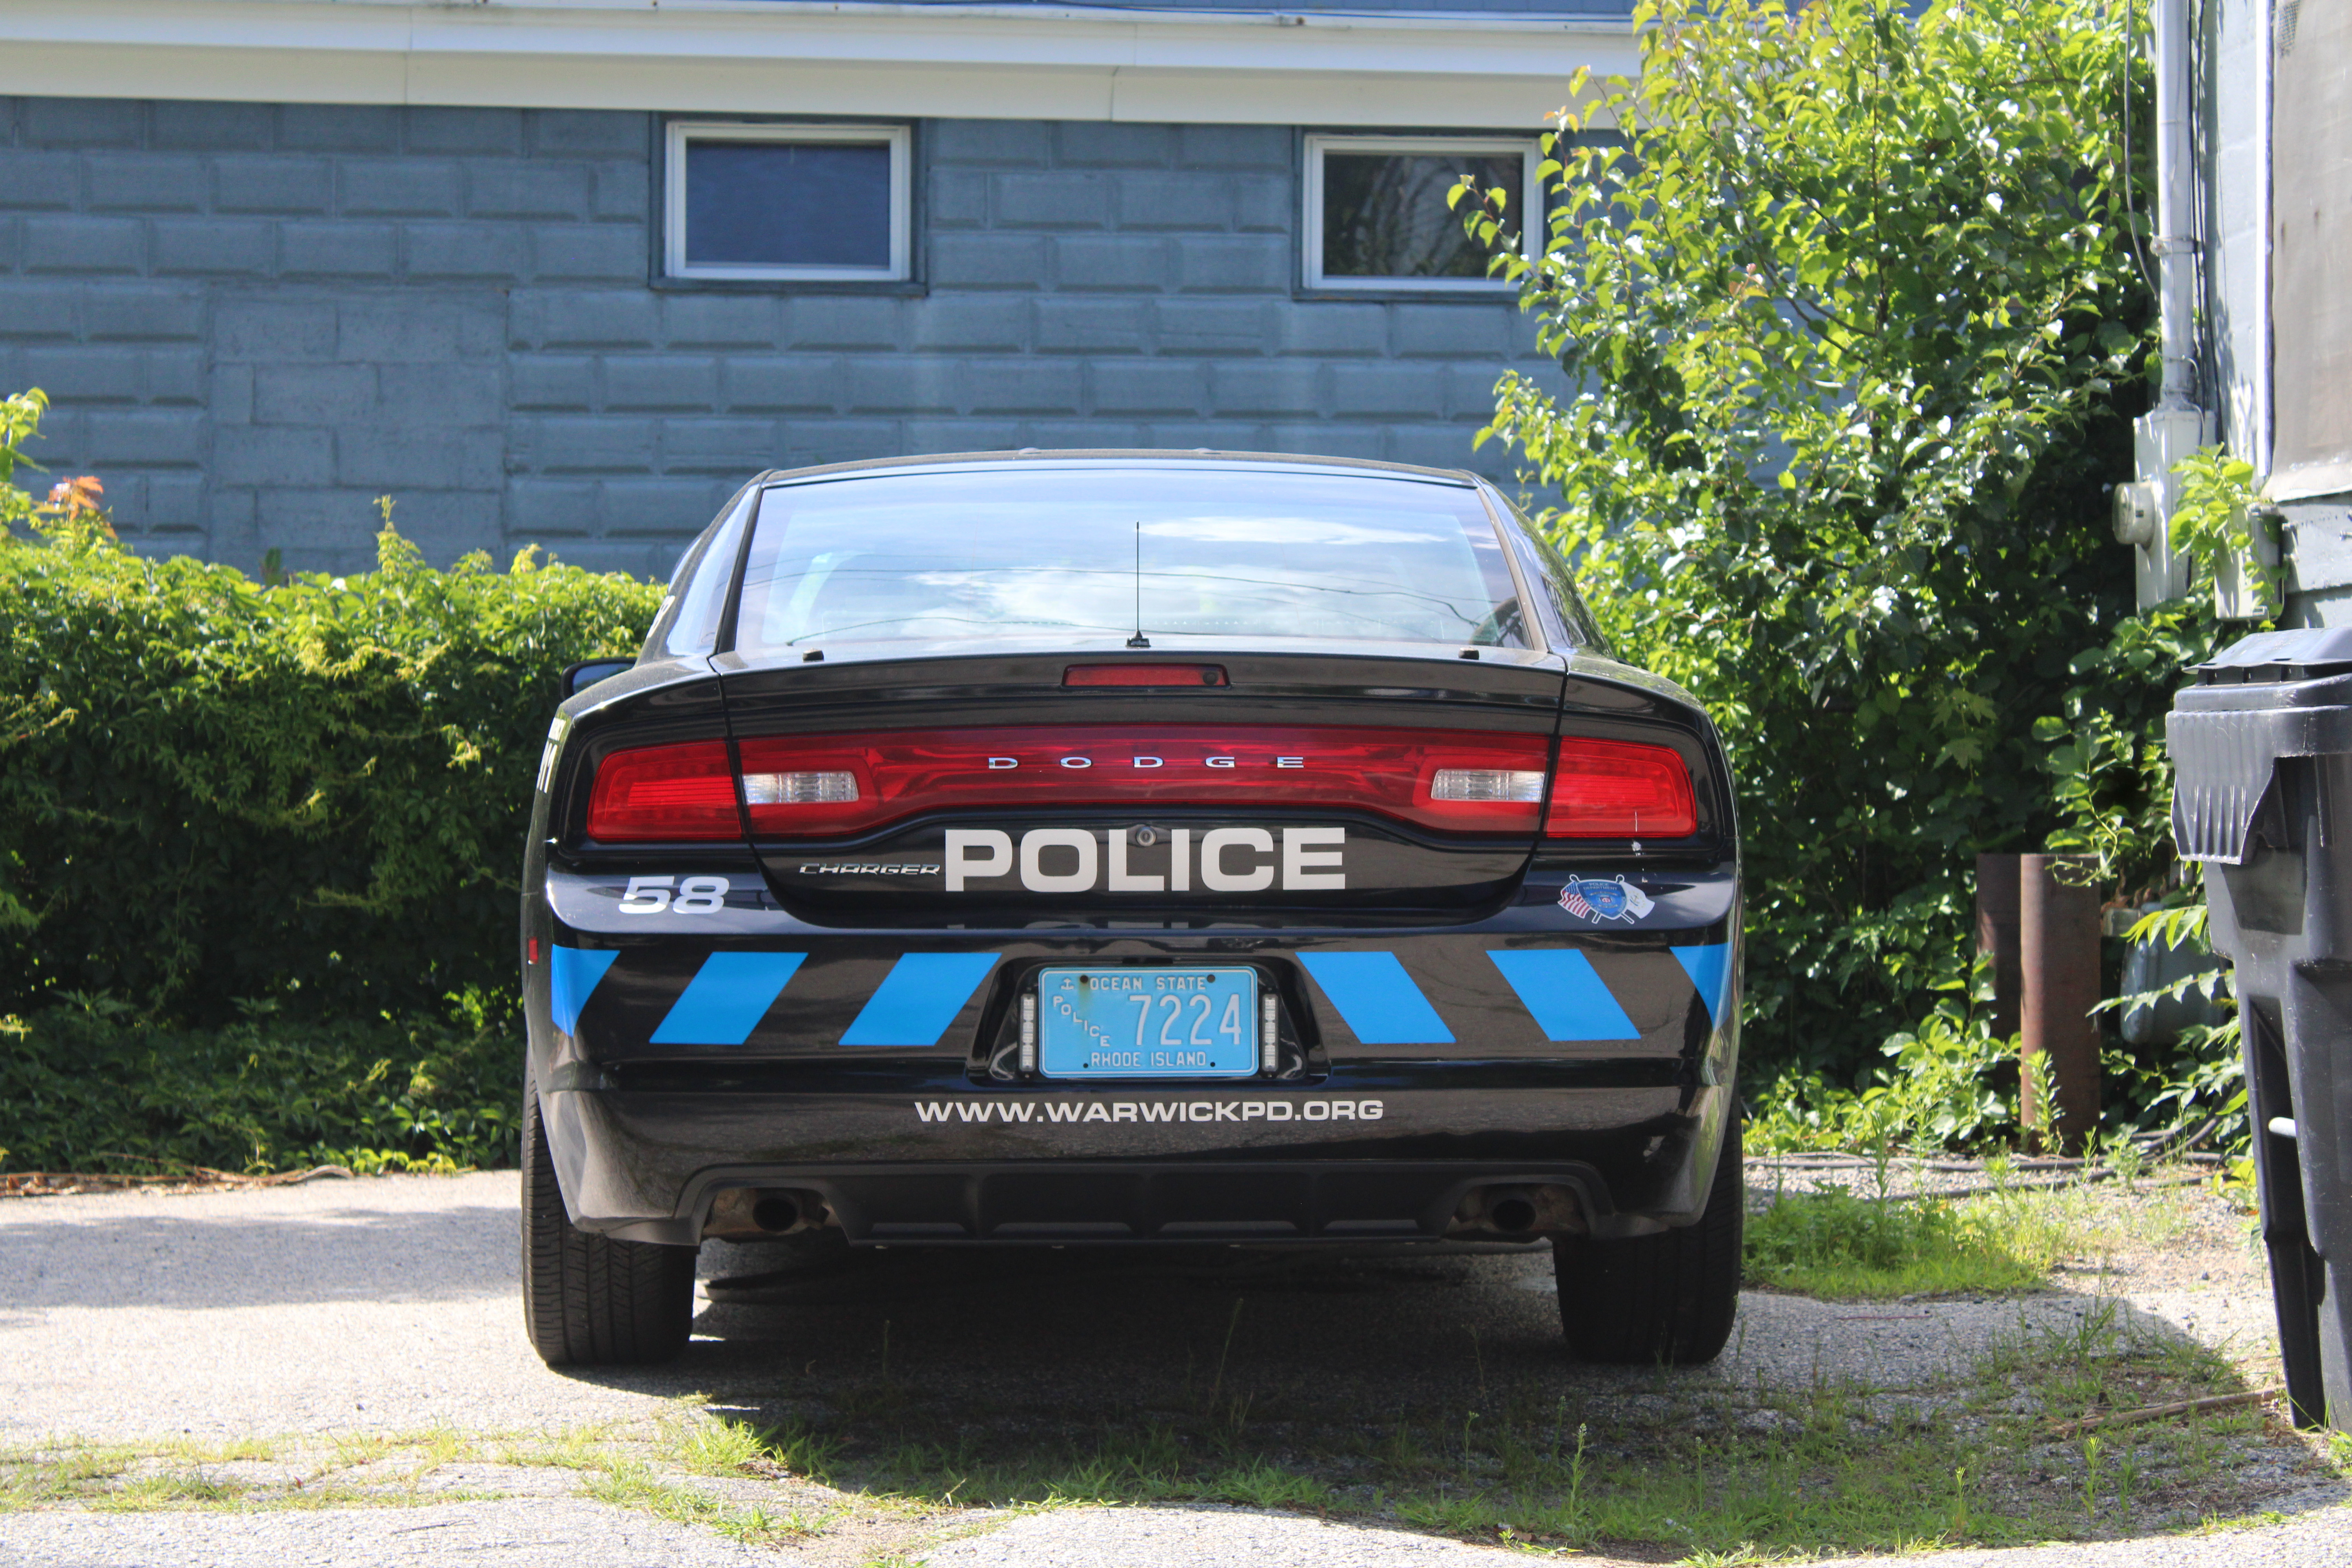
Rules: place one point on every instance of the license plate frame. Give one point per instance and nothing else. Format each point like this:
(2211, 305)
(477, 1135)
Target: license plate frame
(1088, 1027)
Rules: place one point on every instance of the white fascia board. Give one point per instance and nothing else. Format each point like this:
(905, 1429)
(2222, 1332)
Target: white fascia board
(1364, 100)
(771, 57)
(200, 72)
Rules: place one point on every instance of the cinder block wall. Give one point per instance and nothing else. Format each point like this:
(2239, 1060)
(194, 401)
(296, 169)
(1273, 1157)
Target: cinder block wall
(255, 319)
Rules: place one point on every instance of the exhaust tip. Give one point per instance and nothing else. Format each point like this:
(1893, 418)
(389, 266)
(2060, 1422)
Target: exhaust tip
(1519, 1213)
(1512, 1212)
(776, 1212)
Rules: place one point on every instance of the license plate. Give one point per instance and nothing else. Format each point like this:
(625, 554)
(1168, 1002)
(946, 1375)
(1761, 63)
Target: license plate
(1132, 1022)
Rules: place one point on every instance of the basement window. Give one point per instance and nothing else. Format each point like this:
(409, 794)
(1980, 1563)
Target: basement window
(1376, 215)
(812, 203)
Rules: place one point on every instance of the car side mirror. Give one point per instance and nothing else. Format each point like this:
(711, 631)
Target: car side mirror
(578, 677)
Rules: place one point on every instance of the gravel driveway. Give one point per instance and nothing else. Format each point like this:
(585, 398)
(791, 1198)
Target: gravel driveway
(327, 1312)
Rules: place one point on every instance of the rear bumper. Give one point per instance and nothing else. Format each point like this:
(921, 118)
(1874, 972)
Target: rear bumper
(678, 1056)
(1361, 1156)
(1098, 1202)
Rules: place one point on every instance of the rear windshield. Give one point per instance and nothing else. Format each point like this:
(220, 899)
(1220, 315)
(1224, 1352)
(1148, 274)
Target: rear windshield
(1089, 554)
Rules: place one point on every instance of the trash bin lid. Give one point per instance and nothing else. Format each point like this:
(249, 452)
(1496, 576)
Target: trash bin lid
(2271, 695)
(2307, 653)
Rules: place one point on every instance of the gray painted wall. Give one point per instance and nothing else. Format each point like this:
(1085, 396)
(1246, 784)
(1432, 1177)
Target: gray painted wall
(255, 319)
(2232, 134)
(2229, 145)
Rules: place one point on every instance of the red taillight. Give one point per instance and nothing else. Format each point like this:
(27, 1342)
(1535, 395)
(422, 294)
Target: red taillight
(820, 786)
(1619, 789)
(664, 794)
(1144, 675)
(891, 776)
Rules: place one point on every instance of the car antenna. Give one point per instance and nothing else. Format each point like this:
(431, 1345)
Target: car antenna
(1139, 639)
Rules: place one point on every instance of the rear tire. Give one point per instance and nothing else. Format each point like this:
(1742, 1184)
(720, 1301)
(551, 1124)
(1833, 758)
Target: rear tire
(590, 1300)
(1668, 1298)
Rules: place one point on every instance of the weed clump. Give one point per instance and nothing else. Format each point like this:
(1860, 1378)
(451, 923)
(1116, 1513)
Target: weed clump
(1831, 1243)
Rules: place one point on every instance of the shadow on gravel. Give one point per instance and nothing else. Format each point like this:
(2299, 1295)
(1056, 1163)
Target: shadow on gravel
(1434, 1389)
(1104, 1330)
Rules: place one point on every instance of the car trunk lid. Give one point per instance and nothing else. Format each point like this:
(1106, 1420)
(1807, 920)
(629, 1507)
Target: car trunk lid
(1088, 786)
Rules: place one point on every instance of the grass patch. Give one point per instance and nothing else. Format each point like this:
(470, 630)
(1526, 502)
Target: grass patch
(2092, 1364)
(29, 1479)
(721, 1447)
(1831, 1243)
(1267, 1485)
(388, 1469)
(341, 1470)
(165, 1489)
(638, 1487)
(406, 1458)
(578, 1448)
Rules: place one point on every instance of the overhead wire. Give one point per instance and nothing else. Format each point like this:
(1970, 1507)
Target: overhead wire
(2131, 215)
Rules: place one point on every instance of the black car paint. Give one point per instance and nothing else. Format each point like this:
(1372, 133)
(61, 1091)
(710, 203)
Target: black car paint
(644, 1134)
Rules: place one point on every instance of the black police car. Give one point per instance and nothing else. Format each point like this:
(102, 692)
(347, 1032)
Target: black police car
(1129, 848)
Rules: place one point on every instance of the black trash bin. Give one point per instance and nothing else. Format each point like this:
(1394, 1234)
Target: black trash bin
(2262, 751)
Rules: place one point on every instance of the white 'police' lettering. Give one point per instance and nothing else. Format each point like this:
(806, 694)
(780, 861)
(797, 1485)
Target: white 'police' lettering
(1232, 860)
(1215, 873)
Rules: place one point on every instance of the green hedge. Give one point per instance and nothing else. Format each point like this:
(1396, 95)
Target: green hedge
(307, 798)
(92, 1086)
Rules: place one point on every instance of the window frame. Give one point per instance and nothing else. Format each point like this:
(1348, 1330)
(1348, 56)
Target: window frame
(679, 133)
(1531, 235)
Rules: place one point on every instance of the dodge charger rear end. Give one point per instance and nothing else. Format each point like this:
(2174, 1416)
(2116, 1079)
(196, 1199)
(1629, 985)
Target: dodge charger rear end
(1130, 849)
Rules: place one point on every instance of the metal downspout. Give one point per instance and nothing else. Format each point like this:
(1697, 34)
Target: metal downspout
(2175, 426)
(2176, 189)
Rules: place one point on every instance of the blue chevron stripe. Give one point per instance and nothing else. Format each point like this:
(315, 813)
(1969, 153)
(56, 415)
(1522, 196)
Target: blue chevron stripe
(918, 998)
(1564, 993)
(727, 998)
(1709, 969)
(571, 976)
(1378, 998)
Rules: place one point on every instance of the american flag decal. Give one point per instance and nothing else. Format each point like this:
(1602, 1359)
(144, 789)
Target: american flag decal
(1573, 902)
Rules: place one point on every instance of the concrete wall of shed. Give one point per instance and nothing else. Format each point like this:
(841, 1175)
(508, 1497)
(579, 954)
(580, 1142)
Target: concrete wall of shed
(255, 319)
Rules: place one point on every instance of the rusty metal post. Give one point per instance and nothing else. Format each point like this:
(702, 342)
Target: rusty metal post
(2058, 961)
(1997, 935)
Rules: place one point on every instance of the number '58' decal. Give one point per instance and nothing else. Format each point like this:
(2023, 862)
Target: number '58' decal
(694, 896)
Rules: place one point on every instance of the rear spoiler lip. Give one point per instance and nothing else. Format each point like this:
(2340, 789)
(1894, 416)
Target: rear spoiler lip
(975, 689)
(1114, 650)
(1585, 666)
(632, 685)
